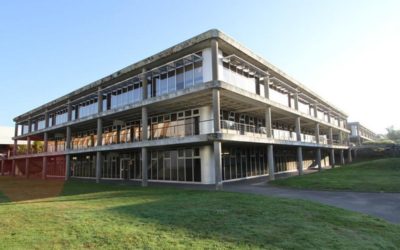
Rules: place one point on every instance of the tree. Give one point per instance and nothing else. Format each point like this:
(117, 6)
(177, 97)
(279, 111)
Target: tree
(393, 134)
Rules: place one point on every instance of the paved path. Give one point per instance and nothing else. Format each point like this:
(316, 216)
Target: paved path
(383, 205)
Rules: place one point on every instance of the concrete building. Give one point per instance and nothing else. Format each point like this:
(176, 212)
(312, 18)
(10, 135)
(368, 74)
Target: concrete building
(360, 134)
(6, 148)
(207, 111)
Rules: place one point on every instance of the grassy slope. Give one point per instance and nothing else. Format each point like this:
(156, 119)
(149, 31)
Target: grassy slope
(105, 216)
(369, 176)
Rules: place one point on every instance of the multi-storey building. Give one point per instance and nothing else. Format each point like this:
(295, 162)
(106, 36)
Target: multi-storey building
(360, 134)
(207, 110)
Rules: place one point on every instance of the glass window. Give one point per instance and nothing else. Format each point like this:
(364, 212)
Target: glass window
(171, 81)
(198, 72)
(179, 78)
(188, 75)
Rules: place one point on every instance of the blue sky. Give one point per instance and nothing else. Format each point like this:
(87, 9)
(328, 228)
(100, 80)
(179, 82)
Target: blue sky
(337, 48)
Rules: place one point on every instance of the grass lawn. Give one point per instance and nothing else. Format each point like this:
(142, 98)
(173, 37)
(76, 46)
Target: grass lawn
(100, 216)
(368, 176)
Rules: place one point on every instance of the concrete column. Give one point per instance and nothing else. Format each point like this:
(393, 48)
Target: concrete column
(218, 165)
(28, 145)
(99, 100)
(317, 133)
(144, 150)
(69, 110)
(298, 128)
(144, 167)
(342, 157)
(216, 110)
(29, 125)
(268, 122)
(296, 101)
(266, 86)
(332, 157)
(68, 156)
(300, 160)
(330, 136)
(316, 110)
(46, 119)
(2, 167)
(45, 146)
(98, 153)
(145, 95)
(98, 166)
(271, 163)
(329, 116)
(44, 167)
(349, 158)
(289, 101)
(340, 137)
(318, 159)
(214, 59)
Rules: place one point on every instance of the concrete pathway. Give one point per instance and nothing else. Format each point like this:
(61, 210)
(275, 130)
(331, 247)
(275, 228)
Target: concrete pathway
(382, 205)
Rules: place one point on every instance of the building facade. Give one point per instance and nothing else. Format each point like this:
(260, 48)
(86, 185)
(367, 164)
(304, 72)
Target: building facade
(206, 111)
(360, 134)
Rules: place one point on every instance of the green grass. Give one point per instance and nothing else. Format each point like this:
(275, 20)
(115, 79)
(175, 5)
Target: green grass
(100, 216)
(381, 175)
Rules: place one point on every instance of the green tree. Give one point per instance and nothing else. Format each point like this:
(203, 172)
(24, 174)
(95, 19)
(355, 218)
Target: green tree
(393, 134)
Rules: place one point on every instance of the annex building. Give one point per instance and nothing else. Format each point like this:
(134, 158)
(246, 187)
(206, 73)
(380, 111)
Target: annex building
(207, 111)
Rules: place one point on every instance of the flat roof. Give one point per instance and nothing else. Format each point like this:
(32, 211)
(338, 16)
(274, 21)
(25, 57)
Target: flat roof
(213, 33)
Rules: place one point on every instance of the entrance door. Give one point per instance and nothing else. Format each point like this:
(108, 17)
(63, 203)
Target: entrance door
(125, 164)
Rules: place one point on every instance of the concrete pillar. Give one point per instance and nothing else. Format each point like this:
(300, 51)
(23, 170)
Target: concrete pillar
(46, 119)
(214, 59)
(317, 133)
(98, 166)
(44, 163)
(332, 157)
(330, 136)
(68, 156)
(144, 167)
(296, 101)
(98, 153)
(69, 110)
(266, 85)
(349, 158)
(216, 110)
(144, 150)
(340, 137)
(271, 163)
(268, 122)
(145, 95)
(99, 100)
(342, 157)
(300, 160)
(298, 128)
(218, 164)
(318, 158)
